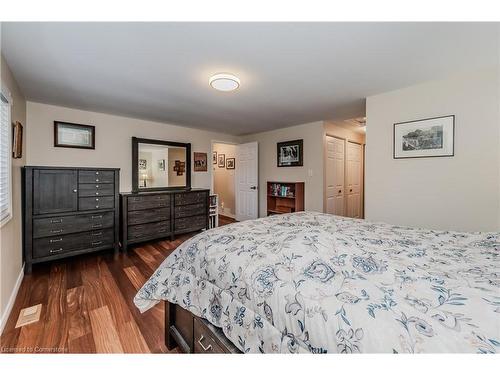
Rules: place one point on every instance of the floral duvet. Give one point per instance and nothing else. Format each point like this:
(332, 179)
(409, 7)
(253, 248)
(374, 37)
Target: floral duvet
(311, 282)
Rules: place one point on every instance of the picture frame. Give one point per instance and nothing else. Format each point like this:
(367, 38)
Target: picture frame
(161, 165)
(222, 160)
(214, 157)
(230, 163)
(290, 153)
(17, 140)
(179, 167)
(200, 162)
(70, 135)
(143, 164)
(424, 138)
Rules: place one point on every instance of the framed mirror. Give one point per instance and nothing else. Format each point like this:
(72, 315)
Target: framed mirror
(160, 165)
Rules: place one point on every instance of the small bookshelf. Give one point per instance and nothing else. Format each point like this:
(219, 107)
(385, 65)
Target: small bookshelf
(213, 211)
(284, 197)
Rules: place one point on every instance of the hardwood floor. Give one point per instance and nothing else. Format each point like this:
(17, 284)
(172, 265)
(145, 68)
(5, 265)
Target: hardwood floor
(224, 220)
(87, 305)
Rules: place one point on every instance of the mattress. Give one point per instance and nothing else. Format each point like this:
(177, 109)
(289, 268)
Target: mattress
(317, 283)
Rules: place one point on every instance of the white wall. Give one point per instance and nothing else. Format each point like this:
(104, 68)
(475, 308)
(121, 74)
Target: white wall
(113, 141)
(10, 233)
(457, 193)
(311, 173)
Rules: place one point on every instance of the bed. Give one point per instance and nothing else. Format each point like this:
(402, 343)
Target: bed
(317, 283)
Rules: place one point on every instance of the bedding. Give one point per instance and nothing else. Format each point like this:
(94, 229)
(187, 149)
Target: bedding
(311, 282)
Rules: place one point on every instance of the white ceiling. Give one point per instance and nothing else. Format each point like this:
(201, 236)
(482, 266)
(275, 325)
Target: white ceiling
(290, 73)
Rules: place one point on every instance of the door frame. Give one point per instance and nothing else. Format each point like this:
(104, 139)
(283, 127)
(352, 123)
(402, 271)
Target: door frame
(325, 171)
(211, 170)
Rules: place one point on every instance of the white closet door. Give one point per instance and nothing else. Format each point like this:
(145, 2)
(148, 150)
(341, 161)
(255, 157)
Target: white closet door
(335, 176)
(354, 179)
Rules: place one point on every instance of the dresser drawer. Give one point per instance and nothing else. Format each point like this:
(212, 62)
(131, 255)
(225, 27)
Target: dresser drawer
(96, 203)
(54, 245)
(95, 190)
(205, 341)
(93, 176)
(148, 216)
(190, 210)
(190, 198)
(191, 223)
(147, 202)
(58, 225)
(147, 230)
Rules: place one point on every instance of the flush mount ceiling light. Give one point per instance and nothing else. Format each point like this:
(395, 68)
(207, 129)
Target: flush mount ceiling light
(224, 82)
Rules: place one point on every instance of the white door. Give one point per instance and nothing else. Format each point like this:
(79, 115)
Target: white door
(247, 181)
(354, 179)
(335, 176)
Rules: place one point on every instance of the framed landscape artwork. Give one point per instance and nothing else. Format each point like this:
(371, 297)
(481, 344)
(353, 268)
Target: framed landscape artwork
(433, 137)
(290, 154)
(71, 135)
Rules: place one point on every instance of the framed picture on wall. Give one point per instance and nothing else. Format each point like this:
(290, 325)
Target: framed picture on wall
(432, 137)
(230, 163)
(222, 160)
(17, 140)
(200, 162)
(67, 134)
(214, 157)
(290, 153)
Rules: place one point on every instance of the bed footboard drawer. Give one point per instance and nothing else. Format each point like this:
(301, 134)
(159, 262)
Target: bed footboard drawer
(204, 340)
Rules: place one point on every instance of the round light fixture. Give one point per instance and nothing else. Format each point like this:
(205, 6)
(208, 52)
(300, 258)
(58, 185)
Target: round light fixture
(224, 82)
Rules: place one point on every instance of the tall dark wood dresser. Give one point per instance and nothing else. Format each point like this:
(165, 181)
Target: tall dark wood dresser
(158, 214)
(69, 211)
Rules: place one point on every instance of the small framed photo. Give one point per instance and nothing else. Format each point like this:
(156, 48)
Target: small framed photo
(290, 153)
(143, 164)
(200, 162)
(71, 135)
(222, 160)
(432, 137)
(161, 164)
(230, 163)
(214, 157)
(17, 140)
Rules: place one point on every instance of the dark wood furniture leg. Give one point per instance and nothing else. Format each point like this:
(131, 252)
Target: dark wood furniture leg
(170, 343)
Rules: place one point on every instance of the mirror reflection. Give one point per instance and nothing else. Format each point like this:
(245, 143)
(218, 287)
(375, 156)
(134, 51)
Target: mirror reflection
(161, 166)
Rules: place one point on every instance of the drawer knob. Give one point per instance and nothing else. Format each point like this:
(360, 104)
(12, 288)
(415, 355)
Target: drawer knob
(97, 186)
(56, 240)
(95, 226)
(97, 206)
(55, 231)
(74, 190)
(96, 180)
(52, 251)
(97, 193)
(96, 243)
(56, 221)
(205, 348)
(97, 217)
(97, 173)
(97, 199)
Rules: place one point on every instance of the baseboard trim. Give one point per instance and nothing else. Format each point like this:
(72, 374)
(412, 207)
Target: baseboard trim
(12, 300)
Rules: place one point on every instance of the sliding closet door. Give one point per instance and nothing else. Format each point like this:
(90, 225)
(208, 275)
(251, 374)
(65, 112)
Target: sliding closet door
(354, 179)
(335, 176)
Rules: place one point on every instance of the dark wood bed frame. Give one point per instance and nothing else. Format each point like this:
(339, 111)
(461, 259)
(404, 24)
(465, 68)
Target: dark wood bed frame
(193, 334)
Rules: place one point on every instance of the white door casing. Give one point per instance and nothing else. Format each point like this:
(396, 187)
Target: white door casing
(247, 181)
(335, 163)
(354, 179)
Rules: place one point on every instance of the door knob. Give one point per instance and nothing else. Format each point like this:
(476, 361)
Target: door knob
(253, 187)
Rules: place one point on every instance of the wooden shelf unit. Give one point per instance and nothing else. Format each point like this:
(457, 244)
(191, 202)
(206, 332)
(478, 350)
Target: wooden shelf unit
(279, 202)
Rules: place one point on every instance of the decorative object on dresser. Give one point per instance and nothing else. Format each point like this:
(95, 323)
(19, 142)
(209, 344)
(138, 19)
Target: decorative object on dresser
(213, 211)
(69, 211)
(67, 134)
(160, 165)
(290, 153)
(17, 140)
(200, 161)
(146, 216)
(284, 197)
